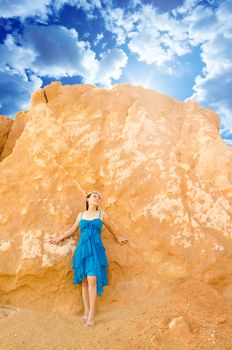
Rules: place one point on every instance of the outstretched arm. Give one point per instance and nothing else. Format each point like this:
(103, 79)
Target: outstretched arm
(67, 234)
(112, 228)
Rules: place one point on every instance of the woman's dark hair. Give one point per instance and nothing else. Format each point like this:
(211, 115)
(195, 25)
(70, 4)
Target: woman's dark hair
(87, 203)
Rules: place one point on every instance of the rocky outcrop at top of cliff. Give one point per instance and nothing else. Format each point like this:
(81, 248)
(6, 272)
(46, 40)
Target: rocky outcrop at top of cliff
(165, 175)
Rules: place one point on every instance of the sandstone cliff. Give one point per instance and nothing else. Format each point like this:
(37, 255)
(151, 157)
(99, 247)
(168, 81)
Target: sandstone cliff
(166, 178)
(13, 133)
(5, 126)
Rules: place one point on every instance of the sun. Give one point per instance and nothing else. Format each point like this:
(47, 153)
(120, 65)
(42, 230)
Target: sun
(141, 78)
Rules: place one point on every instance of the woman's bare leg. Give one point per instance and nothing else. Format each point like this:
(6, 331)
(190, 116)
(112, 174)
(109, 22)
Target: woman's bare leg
(85, 298)
(92, 299)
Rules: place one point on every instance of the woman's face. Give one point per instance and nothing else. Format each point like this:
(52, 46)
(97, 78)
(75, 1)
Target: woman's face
(94, 198)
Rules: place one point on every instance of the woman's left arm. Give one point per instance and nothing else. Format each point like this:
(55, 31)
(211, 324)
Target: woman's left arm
(112, 228)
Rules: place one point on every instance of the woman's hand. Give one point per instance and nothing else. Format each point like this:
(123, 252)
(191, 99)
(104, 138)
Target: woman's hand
(121, 240)
(54, 240)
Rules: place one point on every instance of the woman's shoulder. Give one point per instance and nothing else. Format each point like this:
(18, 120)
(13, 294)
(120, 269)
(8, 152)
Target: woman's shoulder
(103, 214)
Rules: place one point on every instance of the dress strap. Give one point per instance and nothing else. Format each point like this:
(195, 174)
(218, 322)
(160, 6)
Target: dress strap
(100, 214)
(81, 215)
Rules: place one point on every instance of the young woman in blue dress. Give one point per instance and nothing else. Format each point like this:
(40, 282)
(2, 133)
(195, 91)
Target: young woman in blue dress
(89, 284)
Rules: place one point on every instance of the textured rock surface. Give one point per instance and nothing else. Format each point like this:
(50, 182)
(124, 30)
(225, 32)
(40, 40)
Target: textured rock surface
(5, 126)
(16, 129)
(166, 179)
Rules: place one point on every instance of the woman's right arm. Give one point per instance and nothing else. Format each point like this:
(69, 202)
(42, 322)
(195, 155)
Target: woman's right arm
(67, 234)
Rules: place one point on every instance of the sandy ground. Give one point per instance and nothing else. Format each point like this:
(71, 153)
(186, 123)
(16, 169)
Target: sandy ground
(177, 318)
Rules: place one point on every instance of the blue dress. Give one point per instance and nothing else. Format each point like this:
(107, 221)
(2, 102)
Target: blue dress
(90, 255)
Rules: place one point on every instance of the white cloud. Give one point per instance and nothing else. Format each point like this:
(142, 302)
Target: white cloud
(111, 64)
(155, 37)
(189, 5)
(42, 8)
(185, 7)
(58, 51)
(52, 51)
(24, 9)
(148, 47)
(15, 57)
(119, 23)
(213, 87)
(202, 24)
(86, 5)
(99, 37)
(136, 3)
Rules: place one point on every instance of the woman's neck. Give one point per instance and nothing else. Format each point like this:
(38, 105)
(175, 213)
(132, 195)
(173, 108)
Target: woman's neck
(92, 208)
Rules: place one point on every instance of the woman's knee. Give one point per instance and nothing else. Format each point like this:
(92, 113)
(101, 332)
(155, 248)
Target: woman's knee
(85, 281)
(92, 281)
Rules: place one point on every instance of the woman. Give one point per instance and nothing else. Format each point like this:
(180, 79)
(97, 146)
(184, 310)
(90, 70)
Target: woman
(90, 260)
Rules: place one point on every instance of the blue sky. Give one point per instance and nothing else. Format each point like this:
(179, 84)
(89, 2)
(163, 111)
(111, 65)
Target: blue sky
(182, 48)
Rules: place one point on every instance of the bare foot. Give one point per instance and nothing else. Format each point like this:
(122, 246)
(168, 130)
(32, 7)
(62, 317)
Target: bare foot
(89, 322)
(85, 316)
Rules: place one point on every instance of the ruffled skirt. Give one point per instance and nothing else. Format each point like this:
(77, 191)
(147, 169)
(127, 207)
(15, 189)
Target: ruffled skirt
(90, 259)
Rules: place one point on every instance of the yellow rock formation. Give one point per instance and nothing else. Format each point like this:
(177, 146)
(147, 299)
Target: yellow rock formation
(166, 178)
(5, 126)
